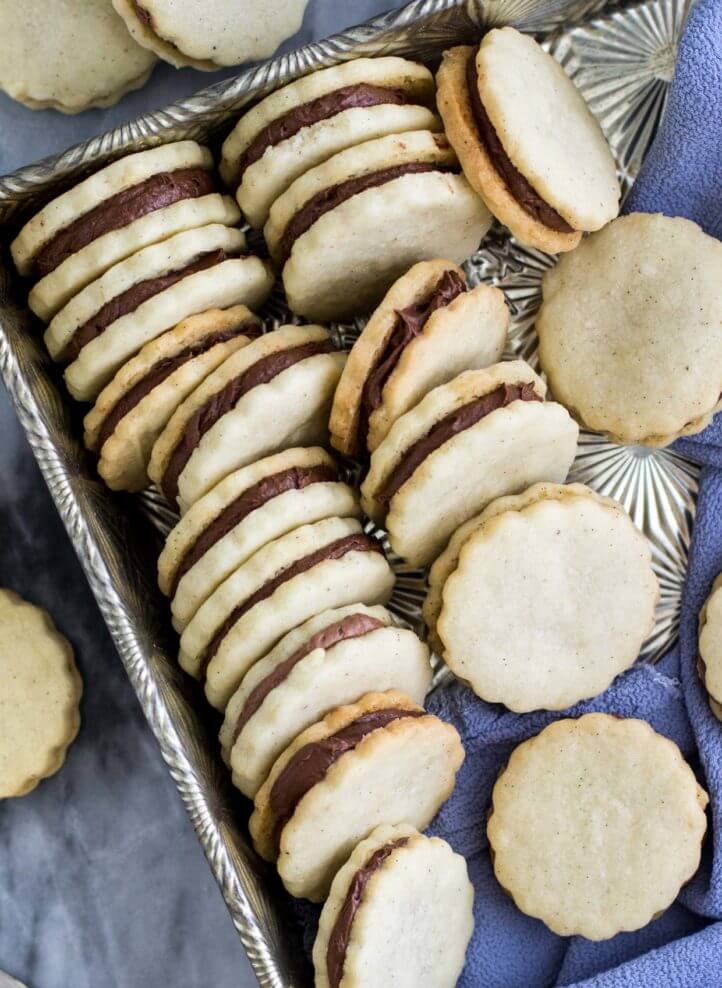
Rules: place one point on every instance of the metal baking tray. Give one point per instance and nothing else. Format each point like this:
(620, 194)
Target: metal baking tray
(622, 58)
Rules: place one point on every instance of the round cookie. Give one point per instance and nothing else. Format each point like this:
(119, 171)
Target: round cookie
(710, 647)
(329, 563)
(249, 508)
(332, 659)
(68, 57)
(348, 228)
(641, 303)
(131, 412)
(552, 597)
(130, 204)
(306, 122)
(485, 434)
(527, 141)
(595, 825)
(274, 394)
(379, 760)
(400, 912)
(40, 690)
(210, 34)
(429, 327)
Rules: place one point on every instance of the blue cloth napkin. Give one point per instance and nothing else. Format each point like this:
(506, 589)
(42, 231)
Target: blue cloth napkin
(682, 176)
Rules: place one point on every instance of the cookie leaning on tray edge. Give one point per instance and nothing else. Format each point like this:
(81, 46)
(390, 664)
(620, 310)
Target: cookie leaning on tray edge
(277, 590)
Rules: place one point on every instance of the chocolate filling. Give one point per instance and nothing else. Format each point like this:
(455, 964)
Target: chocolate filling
(132, 298)
(448, 427)
(341, 932)
(352, 626)
(310, 763)
(123, 208)
(205, 417)
(163, 369)
(409, 324)
(334, 550)
(517, 185)
(328, 199)
(295, 478)
(347, 98)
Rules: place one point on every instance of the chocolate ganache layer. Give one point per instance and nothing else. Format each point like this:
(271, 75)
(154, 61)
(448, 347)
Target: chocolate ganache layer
(205, 417)
(328, 199)
(162, 369)
(120, 210)
(361, 94)
(133, 297)
(341, 933)
(352, 626)
(254, 497)
(518, 186)
(310, 763)
(448, 427)
(333, 550)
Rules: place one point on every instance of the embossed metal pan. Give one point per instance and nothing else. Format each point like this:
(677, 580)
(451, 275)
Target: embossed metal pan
(622, 58)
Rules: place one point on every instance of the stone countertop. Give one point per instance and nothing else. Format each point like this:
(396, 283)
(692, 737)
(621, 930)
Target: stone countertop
(102, 880)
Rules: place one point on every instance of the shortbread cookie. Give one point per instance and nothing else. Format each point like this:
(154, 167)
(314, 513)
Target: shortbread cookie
(274, 394)
(330, 563)
(485, 434)
(210, 34)
(710, 647)
(149, 293)
(40, 690)
(629, 329)
(251, 507)
(135, 202)
(131, 412)
(330, 660)
(313, 118)
(400, 912)
(595, 825)
(429, 328)
(68, 57)
(346, 229)
(552, 597)
(380, 760)
(527, 141)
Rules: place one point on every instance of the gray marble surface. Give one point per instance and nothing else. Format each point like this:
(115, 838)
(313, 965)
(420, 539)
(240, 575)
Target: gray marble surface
(102, 881)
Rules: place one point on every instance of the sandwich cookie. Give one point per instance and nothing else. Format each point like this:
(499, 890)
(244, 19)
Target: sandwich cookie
(527, 141)
(315, 117)
(630, 329)
(429, 328)
(710, 647)
(330, 563)
(274, 394)
(485, 434)
(68, 58)
(111, 319)
(333, 659)
(400, 912)
(131, 412)
(210, 34)
(252, 506)
(552, 596)
(348, 228)
(130, 204)
(40, 690)
(379, 760)
(595, 825)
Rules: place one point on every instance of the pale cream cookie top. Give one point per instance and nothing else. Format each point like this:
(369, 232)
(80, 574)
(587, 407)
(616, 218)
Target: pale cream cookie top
(595, 825)
(40, 690)
(630, 329)
(68, 56)
(710, 645)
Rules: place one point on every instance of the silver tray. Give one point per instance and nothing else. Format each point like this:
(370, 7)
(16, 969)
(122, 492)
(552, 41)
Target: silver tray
(622, 58)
